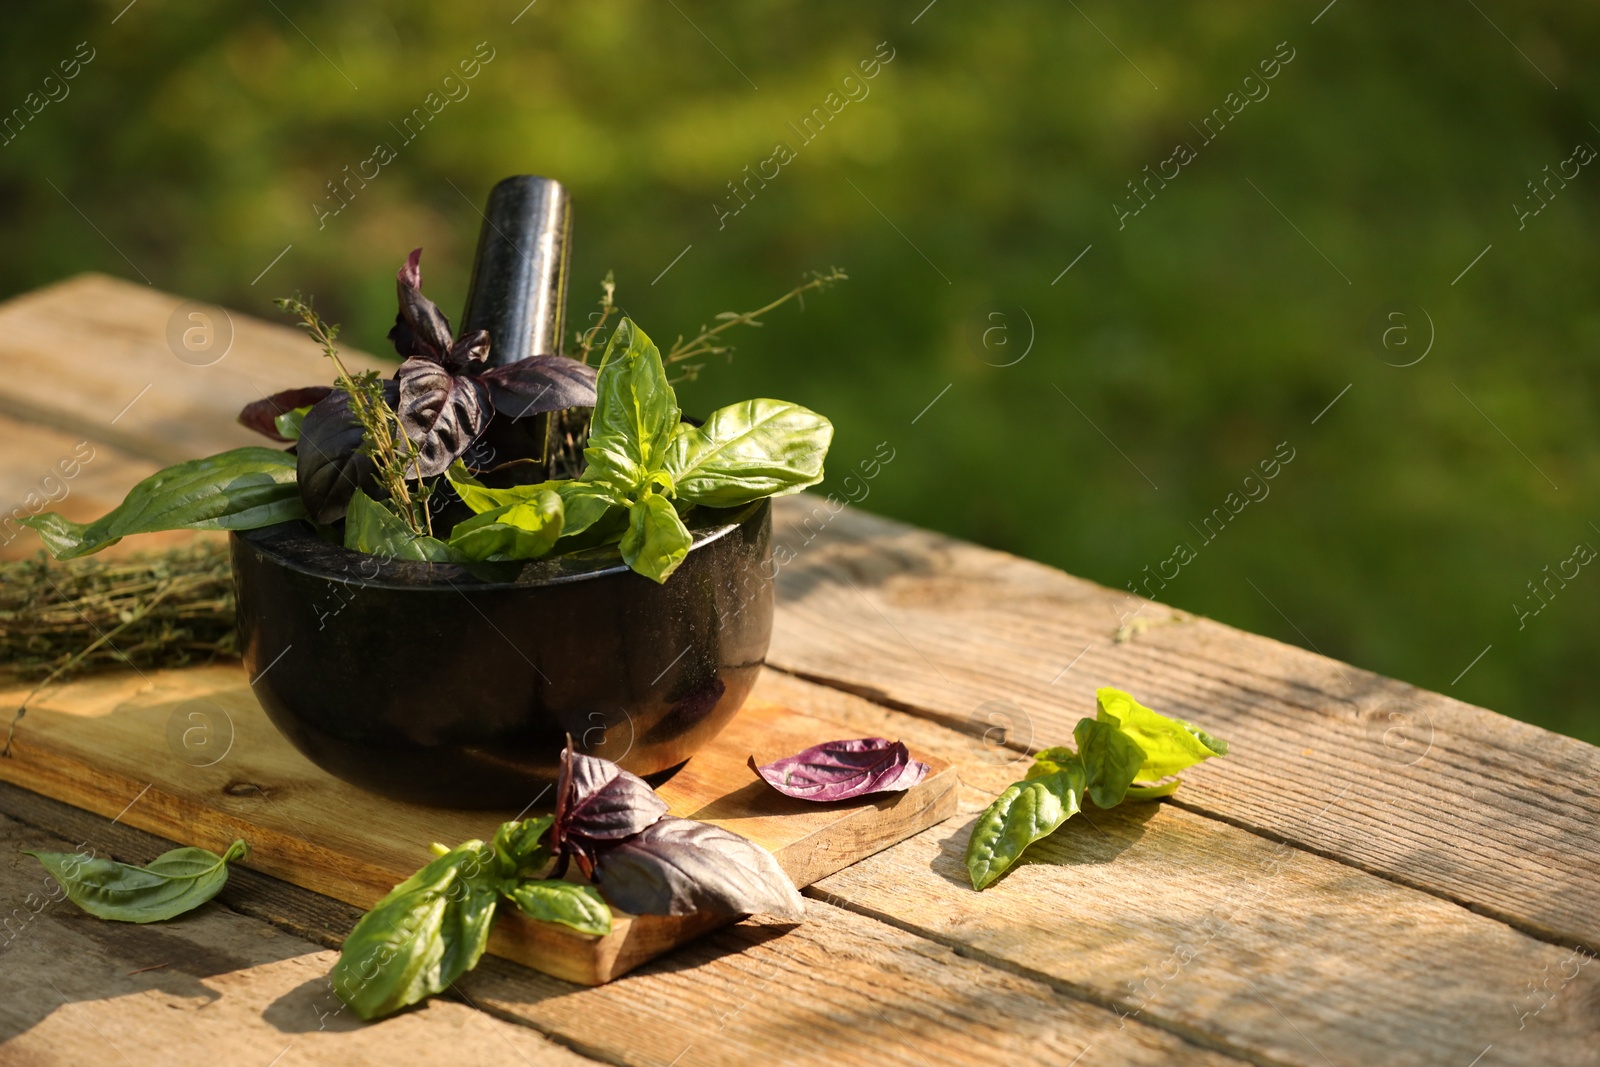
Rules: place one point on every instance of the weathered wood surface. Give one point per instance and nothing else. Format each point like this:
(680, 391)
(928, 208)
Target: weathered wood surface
(1449, 798)
(214, 987)
(189, 754)
(752, 993)
(1376, 874)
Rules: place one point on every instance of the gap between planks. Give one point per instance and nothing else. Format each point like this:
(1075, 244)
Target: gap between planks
(1538, 933)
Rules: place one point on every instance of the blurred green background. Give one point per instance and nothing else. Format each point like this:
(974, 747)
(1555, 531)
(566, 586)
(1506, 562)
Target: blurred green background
(1174, 356)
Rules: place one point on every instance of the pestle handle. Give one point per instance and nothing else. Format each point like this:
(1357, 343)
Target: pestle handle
(519, 275)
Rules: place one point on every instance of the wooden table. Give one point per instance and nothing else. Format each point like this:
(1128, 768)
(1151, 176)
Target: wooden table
(1375, 875)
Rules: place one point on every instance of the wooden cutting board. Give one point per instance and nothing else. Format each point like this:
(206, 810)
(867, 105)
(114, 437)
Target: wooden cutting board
(190, 755)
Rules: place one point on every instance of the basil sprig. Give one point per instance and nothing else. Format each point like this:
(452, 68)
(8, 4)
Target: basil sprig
(433, 927)
(238, 490)
(646, 466)
(1123, 752)
(171, 884)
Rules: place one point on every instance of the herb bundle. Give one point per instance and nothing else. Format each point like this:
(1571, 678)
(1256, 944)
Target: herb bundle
(373, 463)
(433, 927)
(1124, 752)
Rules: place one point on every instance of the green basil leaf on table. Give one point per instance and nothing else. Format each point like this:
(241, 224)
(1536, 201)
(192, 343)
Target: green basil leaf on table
(1111, 760)
(1024, 813)
(370, 527)
(1169, 745)
(569, 903)
(657, 540)
(525, 530)
(635, 412)
(244, 489)
(171, 884)
(428, 931)
(747, 451)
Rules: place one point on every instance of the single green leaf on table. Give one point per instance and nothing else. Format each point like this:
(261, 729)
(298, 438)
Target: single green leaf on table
(244, 489)
(1024, 813)
(428, 931)
(657, 540)
(1111, 760)
(370, 527)
(512, 531)
(574, 905)
(747, 451)
(635, 412)
(171, 884)
(1169, 745)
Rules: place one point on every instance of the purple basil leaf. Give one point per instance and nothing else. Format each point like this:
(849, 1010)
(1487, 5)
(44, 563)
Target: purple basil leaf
(469, 351)
(420, 329)
(259, 415)
(597, 801)
(840, 770)
(441, 413)
(538, 384)
(328, 462)
(679, 866)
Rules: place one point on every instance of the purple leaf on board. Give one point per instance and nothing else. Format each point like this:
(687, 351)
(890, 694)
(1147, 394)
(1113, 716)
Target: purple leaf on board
(538, 384)
(441, 413)
(679, 866)
(840, 770)
(598, 802)
(258, 415)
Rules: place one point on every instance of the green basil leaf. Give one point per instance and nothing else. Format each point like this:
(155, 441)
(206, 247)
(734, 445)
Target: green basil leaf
(476, 495)
(585, 503)
(1169, 745)
(556, 901)
(171, 884)
(239, 490)
(519, 847)
(371, 527)
(657, 540)
(513, 531)
(746, 451)
(1024, 813)
(635, 412)
(1153, 792)
(288, 423)
(428, 931)
(1111, 760)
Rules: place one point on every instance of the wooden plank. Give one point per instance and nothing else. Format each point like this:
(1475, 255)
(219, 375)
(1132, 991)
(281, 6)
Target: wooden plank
(108, 744)
(1169, 917)
(213, 987)
(1436, 794)
(1240, 942)
(860, 988)
(91, 356)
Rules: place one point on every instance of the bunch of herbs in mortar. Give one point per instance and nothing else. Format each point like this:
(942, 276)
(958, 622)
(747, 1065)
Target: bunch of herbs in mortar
(383, 466)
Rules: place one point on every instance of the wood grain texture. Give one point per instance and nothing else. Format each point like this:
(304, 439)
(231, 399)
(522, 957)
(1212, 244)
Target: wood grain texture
(1436, 794)
(91, 357)
(723, 1000)
(213, 987)
(49, 469)
(127, 744)
(840, 988)
(1255, 946)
